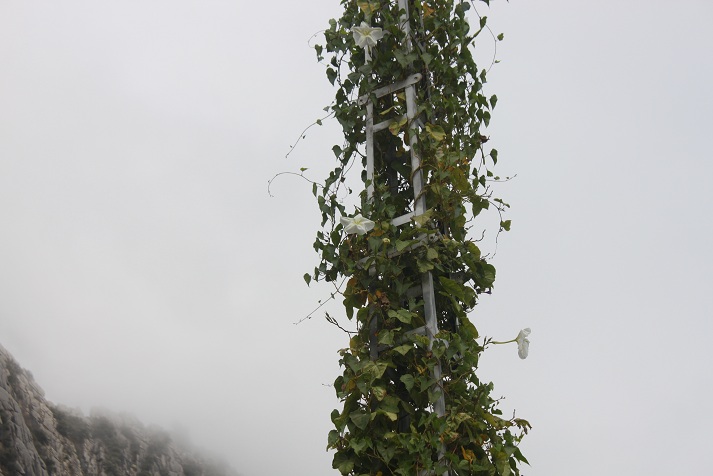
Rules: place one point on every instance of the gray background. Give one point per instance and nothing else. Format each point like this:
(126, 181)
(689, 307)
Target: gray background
(144, 267)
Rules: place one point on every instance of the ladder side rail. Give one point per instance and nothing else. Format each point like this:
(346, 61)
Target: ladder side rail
(370, 150)
(419, 205)
(439, 407)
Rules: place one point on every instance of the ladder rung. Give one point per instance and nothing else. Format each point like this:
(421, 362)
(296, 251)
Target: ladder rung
(419, 330)
(384, 124)
(391, 88)
(422, 240)
(403, 219)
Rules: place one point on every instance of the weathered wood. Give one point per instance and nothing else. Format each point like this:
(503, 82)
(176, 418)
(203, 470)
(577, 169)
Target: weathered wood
(390, 89)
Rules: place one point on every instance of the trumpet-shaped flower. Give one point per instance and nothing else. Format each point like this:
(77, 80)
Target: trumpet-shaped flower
(523, 343)
(357, 224)
(366, 37)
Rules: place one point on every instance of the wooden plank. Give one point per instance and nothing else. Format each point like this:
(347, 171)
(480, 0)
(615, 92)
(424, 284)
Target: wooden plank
(391, 88)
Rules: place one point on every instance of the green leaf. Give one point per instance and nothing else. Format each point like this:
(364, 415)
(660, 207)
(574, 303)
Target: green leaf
(503, 468)
(360, 418)
(488, 275)
(345, 467)
(433, 394)
(408, 381)
(402, 315)
(501, 36)
(402, 245)
(401, 58)
(473, 250)
(395, 126)
(431, 254)
(403, 349)
(368, 7)
(479, 205)
(436, 132)
(375, 370)
(452, 287)
(386, 451)
(358, 444)
(307, 278)
(391, 415)
(424, 218)
(378, 392)
(423, 265)
(332, 438)
(505, 225)
(468, 328)
(386, 337)
(518, 455)
(331, 75)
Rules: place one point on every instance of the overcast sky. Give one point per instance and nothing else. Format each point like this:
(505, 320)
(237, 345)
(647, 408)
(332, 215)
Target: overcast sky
(145, 268)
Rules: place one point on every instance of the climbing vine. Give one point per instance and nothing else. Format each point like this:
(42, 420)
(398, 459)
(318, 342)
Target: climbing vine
(393, 372)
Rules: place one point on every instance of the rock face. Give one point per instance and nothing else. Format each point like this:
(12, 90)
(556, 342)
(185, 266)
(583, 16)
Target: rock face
(38, 438)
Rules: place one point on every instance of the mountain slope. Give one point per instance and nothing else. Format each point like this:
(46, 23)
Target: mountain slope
(38, 438)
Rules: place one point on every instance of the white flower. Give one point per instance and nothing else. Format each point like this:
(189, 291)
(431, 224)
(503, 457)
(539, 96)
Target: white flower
(366, 37)
(358, 224)
(523, 343)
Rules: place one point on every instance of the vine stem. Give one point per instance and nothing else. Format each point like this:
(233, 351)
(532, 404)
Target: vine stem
(302, 135)
(322, 304)
(505, 342)
(301, 174)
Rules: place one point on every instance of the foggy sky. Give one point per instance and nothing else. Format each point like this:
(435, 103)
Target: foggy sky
(145, 268)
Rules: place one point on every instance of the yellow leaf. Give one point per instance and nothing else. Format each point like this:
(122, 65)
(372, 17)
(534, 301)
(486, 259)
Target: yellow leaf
(424, 218)
(436, 132)
(368, 7)
(427, 10)
(354, 343)
(396, 126)
(364, 5)
(392, 416)
(379, 392)
(468, 455)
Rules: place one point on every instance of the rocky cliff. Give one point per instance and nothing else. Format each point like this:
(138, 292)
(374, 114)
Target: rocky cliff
(38, 438)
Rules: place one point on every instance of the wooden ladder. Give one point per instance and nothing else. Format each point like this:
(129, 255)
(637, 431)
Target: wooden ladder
(418, 206)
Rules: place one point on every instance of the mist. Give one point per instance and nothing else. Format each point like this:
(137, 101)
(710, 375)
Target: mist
(144, 267)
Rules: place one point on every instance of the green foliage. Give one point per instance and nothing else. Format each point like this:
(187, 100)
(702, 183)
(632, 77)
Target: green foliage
(117, 454)
(8, 450)
(73, 427)
(192, 468)
(387, 425)
(13, 373)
